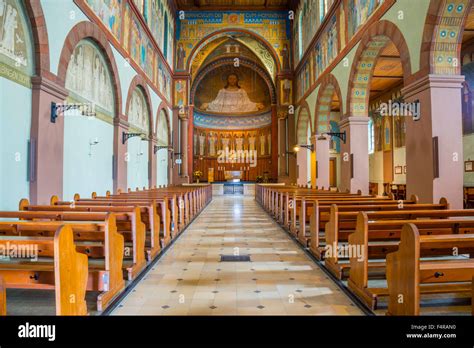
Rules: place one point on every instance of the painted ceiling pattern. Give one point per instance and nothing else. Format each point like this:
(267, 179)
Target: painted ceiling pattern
(446, 37)
(273, 26)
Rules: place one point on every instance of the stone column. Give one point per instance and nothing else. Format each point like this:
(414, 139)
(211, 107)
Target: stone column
(184, 146)
(321, 145)
(120, 154)
(440, 118)
(282, 155)
(152, 172)
(47, 141)
(355, 155)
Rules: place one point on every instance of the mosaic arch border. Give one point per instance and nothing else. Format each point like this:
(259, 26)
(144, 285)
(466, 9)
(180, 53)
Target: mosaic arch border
(219, 33)
(302, 121)
(372, 43)
(83, 31)
(163, 108)
(328, 86)
(442, 36)
(230, 61)
(139, 82)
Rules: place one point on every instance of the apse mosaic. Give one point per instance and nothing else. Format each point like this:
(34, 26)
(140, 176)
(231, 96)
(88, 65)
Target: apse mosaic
(210, 143)
(227, 90)
(16, 62)
(88, 76)
(138, 113)
(273, 26)
(232, 121)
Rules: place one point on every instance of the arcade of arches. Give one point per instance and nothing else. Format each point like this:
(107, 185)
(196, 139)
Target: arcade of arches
(374, 97)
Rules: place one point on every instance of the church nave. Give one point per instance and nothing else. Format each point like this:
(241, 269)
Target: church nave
(281, 279)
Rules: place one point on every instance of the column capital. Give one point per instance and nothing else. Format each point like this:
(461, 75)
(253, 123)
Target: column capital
(432, 81)
(121, 122)
(354, 120)
(49, 86)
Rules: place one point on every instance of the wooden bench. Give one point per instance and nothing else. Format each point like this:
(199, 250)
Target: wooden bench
(3, 297)
(128, 224)
(61, 268)
(161, 207)
(408, 275)
(100, 241)
(329, 219)
(374, 239)
(322, 205)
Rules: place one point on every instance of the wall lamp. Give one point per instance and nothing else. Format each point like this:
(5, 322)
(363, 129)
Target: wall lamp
(126, 136)
(341, 136)
(297, 148)
(58, 109)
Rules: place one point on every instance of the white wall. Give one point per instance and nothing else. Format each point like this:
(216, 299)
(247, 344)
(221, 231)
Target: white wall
(15, 124)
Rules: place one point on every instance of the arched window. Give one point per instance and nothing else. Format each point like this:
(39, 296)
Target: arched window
(165, 37)
(371, 136)
(322, 10)
(300, 35)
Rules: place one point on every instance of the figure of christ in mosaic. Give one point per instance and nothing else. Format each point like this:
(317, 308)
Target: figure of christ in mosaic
(232, 98)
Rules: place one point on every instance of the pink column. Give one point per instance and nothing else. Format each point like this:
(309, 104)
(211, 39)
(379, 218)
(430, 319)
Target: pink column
(282, 145)
(355, 155)
(120, 154)
(302, 163)
(321, 145)
(440, 117)
(47, 141)
(152, 162)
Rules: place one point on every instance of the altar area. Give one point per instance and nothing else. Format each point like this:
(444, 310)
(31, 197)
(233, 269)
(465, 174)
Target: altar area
(233, 188)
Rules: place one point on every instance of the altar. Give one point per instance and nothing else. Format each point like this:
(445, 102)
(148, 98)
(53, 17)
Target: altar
(233, 188)
(233, 175)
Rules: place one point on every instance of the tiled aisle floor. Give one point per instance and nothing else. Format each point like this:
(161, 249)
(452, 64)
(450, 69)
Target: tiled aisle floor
(190, 279)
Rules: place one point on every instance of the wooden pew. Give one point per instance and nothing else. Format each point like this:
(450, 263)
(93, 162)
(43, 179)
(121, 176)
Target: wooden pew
(374, 239)
(3, 297)
(128, 224)
(61, 268)
(328, 219)
(162, 210)
(408, 275)
(323, 204)
(99, 240)
(149, 217)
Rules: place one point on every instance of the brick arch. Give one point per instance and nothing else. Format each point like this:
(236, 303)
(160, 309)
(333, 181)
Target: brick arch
(163, 108)
(370, 47)
(139, 82)
(302, 124)
(442, 36)
(88, 30)
(40, 37)
(328, 87)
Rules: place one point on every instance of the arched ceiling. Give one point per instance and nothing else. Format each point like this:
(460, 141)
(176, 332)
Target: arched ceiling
(258, 50)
